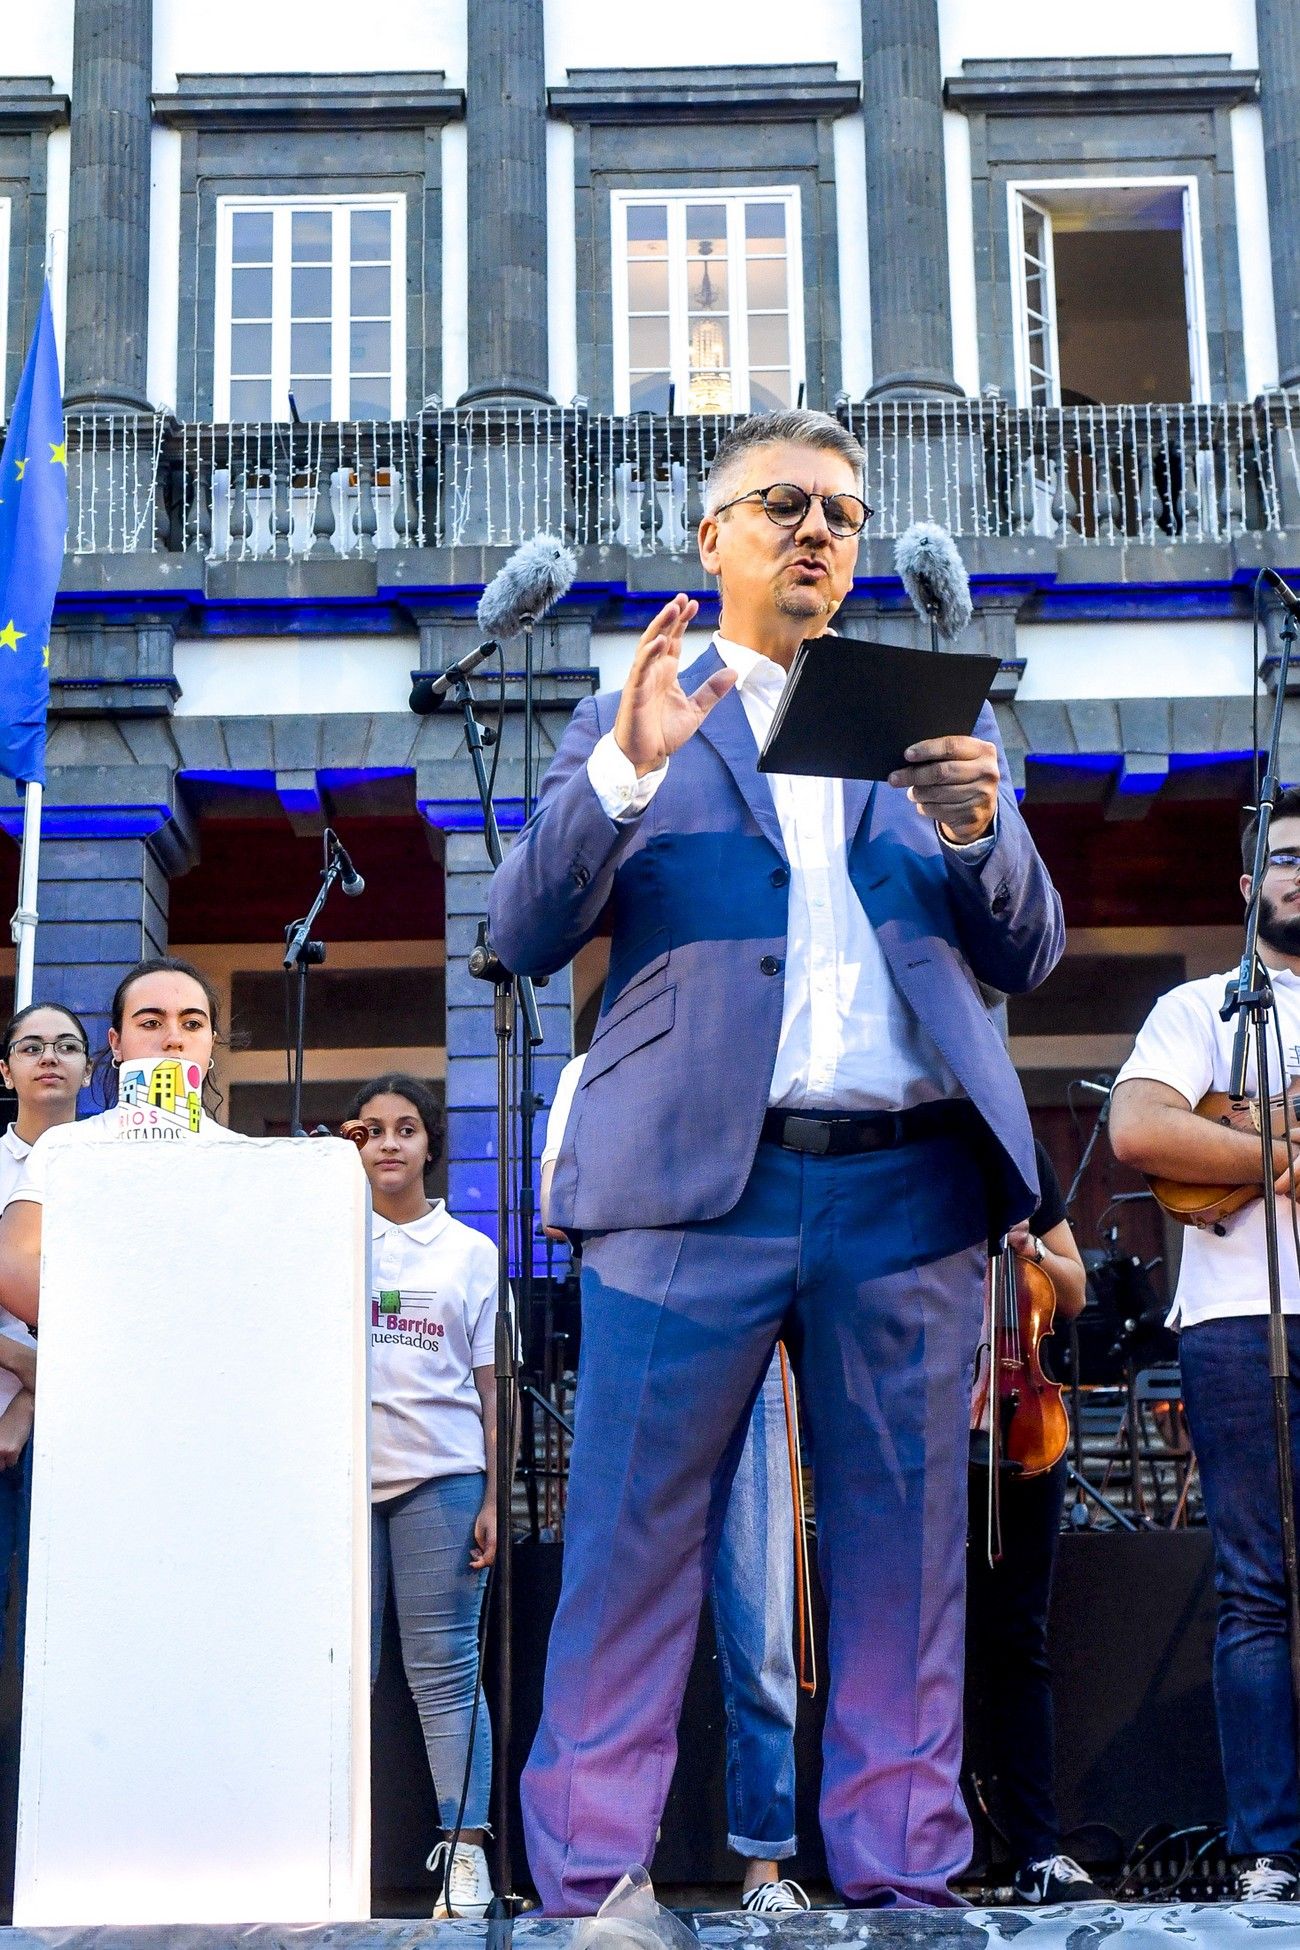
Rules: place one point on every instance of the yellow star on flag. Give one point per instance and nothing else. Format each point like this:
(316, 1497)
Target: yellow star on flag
(45, 656)
(21, 466)
(10, 638)
(58, 453)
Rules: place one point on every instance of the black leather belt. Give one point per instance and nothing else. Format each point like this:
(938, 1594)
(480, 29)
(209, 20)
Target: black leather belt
(867, 1130)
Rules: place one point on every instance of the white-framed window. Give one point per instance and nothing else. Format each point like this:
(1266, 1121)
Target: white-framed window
(310, 301)
(4, 309)
(1107, 291)
(708, 300)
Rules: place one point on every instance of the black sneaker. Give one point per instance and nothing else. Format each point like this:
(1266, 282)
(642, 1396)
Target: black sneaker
(1267, 1879)
(1056, 1879)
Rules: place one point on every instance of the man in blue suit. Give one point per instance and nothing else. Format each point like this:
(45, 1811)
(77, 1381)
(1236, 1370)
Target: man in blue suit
(797, 1115)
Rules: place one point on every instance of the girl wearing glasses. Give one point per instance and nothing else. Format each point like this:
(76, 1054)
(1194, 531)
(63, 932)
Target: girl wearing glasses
(45, 1065)
(163, 1007)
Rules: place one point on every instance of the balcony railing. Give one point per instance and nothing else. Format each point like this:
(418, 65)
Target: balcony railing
(328, 490)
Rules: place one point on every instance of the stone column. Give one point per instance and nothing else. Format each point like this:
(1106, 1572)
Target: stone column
(907, 218)
(108, 222)
(505, 120)
(1279, 106)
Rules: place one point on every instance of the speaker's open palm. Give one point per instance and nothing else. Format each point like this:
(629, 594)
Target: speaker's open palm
(655, 715)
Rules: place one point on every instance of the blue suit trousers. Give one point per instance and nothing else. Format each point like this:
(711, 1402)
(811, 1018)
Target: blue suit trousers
(872, 1266)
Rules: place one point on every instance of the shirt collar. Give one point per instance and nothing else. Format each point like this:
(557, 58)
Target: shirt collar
(16, 1147)
(423, 1231)
(754, 672)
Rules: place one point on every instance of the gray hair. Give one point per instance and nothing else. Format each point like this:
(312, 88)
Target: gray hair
(799, 427)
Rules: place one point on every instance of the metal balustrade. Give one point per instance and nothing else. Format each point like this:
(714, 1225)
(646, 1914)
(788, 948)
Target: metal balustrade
(492, 477)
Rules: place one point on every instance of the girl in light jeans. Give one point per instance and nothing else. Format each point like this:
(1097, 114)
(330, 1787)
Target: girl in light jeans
(433, 1459)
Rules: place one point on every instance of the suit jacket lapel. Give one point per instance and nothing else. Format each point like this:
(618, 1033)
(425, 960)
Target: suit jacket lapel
(858, 795)
(727, 729)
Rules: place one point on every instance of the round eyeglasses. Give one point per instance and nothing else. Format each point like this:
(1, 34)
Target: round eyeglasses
(788, 505)
(34, 1047)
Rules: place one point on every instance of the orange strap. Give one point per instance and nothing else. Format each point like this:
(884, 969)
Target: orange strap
(802, 1573)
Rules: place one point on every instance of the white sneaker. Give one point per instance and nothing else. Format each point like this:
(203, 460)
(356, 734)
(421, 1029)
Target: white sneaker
(774, 1899)
(468, 1888)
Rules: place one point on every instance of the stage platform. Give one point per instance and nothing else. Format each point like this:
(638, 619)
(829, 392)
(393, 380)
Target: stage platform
(1077, 1926)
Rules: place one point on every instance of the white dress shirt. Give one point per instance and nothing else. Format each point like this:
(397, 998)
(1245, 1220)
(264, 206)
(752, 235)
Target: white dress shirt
(849, 1041)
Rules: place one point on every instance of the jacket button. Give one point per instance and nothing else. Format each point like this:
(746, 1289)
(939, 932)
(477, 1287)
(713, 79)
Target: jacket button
(770, 965)
(580, 876)
(779, 876)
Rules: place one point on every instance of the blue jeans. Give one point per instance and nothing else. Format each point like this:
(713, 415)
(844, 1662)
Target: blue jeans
(423, 1538)
(752, 1595)
(1229, 1400)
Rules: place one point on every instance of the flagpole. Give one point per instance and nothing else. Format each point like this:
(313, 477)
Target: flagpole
(22, 927)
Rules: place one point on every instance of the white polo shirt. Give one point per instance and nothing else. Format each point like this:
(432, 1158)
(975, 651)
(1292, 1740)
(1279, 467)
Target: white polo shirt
(1185, 1043)
(433, 1309)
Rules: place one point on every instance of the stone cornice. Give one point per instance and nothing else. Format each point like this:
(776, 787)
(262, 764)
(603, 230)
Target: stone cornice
(28, 103)
(353, 101)
(784, 93)
(1141, 86)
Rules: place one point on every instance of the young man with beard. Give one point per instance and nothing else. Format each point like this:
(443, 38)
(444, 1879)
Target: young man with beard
(1184, 1051)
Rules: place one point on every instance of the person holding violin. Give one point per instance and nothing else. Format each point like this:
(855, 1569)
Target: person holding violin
(1019, 1434)
(1183, 1054)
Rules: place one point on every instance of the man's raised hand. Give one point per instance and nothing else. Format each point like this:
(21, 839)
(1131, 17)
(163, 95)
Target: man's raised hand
(655, 716)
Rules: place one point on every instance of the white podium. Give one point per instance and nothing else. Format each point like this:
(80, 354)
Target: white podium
(195, 1741)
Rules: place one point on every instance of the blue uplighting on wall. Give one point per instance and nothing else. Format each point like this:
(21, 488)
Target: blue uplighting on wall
(466, 815)
(91, 822)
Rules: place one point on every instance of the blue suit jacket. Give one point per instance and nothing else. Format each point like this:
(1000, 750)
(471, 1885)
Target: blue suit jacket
(667, 1117)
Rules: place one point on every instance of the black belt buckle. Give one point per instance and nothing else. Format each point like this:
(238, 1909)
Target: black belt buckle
(810, 1134)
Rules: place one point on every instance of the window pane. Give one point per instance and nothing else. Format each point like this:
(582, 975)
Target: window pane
(309, 348)
(370, 346)
(710, 344)
(372, 291)
(250, 348)
(709, 393)
(371, 400)
(768, 391)
(312, 398)
(250, 237)
(764, 226)
(313, 236)
(250, 294)
(647, 285)
(707, 222)
(765, 284)
(312, 291)
(769, 340)
(647, 223)
(706, 280)
(648, 342)
(250, 399)
(648, 392)
(371, 235)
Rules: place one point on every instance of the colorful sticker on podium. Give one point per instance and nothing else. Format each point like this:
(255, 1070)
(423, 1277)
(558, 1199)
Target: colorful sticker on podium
(159, 1097)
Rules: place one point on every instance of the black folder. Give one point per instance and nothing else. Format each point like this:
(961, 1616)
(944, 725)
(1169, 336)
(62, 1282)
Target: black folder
(851, 709)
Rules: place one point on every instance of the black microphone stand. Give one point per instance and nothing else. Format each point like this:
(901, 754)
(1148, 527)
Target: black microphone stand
(301, 954)
(1079, 1517)
(1250, 1000)
(509, 992)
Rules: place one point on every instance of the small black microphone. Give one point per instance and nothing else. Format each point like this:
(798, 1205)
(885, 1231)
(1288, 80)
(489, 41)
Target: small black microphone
(1098, 1090)
(429, 694)
(1284, 593)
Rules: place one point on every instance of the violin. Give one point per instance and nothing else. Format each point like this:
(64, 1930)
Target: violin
(1029, 1425)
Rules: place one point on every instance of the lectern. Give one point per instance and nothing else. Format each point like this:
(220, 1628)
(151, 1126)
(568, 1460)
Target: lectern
(195, 1740)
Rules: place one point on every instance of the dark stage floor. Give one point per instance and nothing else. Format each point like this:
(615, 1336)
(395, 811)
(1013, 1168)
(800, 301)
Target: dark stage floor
(1081, 1926)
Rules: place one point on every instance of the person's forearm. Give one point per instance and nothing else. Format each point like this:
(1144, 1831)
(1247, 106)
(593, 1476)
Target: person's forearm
(19, 1357)
(1069, 1280)
(1169, 1143)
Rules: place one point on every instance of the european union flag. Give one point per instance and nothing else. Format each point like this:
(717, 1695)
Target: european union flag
(33, 524)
